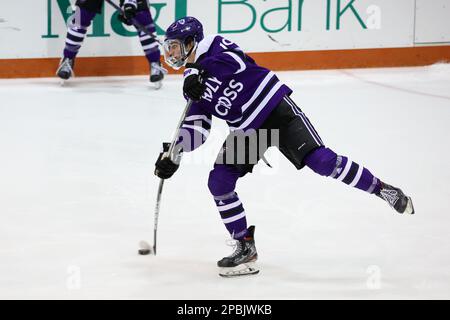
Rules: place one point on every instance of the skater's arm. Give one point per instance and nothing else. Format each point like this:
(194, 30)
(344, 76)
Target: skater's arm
(195, 129)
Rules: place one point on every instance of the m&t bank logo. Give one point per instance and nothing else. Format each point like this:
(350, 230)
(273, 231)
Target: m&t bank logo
(64, 9)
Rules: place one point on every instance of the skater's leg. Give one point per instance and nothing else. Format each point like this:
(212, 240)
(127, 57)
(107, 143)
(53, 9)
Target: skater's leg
(327, 163)
(77, 29)
(222, 183)
(301, 144)
(149, 44)
(236, 158)
(76, 32)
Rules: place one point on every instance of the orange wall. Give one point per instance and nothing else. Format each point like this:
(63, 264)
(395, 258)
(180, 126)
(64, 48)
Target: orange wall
(299, 60)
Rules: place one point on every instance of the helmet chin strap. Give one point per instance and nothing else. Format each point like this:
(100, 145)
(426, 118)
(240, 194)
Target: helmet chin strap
(194, 47)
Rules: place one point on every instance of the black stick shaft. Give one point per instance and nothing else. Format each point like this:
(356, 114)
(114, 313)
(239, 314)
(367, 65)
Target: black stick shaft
(161, 181)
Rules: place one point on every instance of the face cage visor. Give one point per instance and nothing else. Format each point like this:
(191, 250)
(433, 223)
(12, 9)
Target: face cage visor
(175, 53)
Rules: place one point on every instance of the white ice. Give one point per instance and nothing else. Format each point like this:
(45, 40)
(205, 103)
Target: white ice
(77, 193)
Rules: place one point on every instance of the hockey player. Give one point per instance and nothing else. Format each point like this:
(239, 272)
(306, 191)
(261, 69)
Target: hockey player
(226, 83)
(86, 11)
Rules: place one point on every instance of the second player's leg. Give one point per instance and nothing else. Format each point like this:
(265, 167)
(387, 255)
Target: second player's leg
(149, 43)
(76, 32)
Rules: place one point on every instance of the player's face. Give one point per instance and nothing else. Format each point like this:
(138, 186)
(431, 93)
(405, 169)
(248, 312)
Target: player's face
(175, 49)
(174, 53)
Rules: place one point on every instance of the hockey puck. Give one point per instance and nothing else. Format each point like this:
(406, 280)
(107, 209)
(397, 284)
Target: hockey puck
(144, 252)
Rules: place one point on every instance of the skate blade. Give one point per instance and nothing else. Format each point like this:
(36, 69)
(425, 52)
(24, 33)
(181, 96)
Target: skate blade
(409, 207)
(244, 269)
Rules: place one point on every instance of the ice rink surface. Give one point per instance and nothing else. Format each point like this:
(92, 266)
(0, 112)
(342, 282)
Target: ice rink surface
(77, 193)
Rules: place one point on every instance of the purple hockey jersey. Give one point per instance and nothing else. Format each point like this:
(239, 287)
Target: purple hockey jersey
(237, 91)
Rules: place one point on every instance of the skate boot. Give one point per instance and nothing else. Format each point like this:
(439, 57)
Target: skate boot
(241, 261)
(396, 198)
(157, 73)
(65, 69)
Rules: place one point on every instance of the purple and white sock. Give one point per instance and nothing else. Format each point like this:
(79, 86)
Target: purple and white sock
(149, 44)
(76, 31)
(354, 175)
(233, 214)
(327, 163)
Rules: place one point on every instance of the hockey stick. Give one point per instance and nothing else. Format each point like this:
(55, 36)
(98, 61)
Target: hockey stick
(138, 26)
(145, 247)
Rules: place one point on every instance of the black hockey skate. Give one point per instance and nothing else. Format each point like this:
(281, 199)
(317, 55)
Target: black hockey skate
(241, 261)
(65, 69)
(396, 199)
(157, 73)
